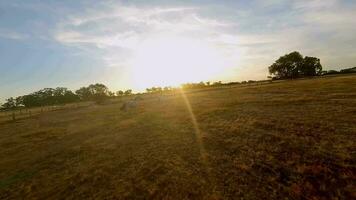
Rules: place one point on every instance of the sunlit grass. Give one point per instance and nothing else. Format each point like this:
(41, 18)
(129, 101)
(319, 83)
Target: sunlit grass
(287, 139)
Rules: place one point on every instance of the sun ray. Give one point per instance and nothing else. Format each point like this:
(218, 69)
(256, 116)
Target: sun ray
(199, 138)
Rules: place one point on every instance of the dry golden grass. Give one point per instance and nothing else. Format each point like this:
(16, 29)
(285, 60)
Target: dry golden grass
(293, 139)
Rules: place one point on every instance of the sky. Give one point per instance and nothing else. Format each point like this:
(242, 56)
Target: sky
(137, 44)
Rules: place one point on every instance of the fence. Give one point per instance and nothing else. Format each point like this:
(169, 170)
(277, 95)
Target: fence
(22, 113)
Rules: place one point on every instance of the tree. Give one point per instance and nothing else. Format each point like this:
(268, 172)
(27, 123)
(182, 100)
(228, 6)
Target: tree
(128, 92)
(96, 92)
(45, 97)
(310, 67)
(287, 66)
(111, 94)
(59, 95)
(62, 95)
(166, 89)
(30, 100)
(348, 70)
(19, 101)
(9, 104)
(293, 65)
(217, 83)
(69, 97)
(201, 84)
(120, 93)
(332, 72)
(83, 93)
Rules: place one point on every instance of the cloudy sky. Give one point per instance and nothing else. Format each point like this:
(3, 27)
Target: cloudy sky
(137, 44)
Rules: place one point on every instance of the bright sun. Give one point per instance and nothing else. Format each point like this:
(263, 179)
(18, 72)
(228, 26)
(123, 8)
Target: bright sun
(170, 61)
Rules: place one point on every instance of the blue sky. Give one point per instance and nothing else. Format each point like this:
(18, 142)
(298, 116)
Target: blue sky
(74, 43)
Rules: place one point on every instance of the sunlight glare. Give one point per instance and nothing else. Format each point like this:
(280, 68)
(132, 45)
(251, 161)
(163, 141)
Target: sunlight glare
(170, 61)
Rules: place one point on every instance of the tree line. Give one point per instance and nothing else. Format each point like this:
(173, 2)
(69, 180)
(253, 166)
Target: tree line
(95, 92)
(294, 65)
(61, 95)
(342, 71)
(183, 86)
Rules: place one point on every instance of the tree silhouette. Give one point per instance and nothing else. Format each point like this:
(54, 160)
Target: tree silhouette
(128, 92)
(61, 95)
(9, 104)
(311, 66)
(293, 65)
(287, 66)
(83, 93)
(96, 92)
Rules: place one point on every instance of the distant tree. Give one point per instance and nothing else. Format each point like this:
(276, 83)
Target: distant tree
(59, 92)
(111, 94)
(99, 89)
(166, 89)
(59, 95)
(342, 71)
(96, 92)
(348, 70)
(99, 92)
(45, 96)
(217, 83)
(9, 104)
(128, 92)
(19, 101)
(293, 65)
(119, 93)
(30, 100)
(63, 95)
(84, 93)
(201, 84)
(69, 97)
(332, 72)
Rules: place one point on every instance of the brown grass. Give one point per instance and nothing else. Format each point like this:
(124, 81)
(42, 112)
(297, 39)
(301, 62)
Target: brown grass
(291, 139)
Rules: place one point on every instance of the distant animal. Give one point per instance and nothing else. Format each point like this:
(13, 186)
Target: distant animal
(128, 104)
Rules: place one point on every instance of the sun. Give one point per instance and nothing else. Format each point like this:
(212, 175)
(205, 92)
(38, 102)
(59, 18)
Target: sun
(171, 61)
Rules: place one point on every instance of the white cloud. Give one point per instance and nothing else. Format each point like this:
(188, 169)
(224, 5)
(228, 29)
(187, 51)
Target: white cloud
(309, 27)
(128, 23)
(9, 34)
(127, 26)
(314, 4)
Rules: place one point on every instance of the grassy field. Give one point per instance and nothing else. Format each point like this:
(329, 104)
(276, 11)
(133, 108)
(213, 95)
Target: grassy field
(292, 139)
(22, 113)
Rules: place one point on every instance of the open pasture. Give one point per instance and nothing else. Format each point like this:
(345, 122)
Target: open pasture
(293, 139)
